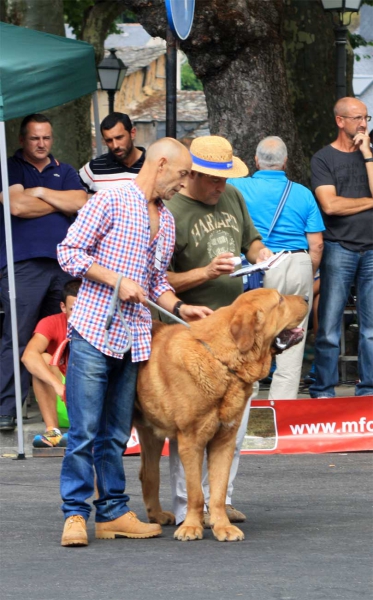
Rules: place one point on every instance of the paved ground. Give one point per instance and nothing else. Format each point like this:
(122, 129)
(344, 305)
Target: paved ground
(308, 537)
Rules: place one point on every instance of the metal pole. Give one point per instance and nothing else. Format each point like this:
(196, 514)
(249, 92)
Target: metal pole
(97, 123)
(12, 289)
(340, 33)
(111, 94)
(171, 76)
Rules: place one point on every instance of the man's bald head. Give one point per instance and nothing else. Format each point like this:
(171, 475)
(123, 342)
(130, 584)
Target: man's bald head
(344, 106)
(168, 148)
(166, 168)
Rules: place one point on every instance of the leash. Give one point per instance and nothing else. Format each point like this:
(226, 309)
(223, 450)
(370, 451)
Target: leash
(231, 371)
(167, 313)
(115, 303)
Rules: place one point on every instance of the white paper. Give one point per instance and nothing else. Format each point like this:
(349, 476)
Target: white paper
(265, 265)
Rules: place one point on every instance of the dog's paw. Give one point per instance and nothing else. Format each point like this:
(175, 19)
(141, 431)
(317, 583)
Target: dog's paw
(187, 533)
(228, 533)
(164, 517)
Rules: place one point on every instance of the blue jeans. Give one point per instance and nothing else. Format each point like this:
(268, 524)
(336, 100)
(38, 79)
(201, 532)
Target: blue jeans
(100, 392)
(339, 270)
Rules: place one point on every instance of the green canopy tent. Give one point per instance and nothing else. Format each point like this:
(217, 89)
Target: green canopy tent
(37, 71)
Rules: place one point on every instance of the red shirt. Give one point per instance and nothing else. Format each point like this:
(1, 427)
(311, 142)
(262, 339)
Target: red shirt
(54, 328)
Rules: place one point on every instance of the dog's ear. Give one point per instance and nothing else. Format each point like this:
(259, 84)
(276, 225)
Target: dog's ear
(245, 326)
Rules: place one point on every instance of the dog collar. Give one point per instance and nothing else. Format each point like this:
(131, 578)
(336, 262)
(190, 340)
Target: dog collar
(221, 362)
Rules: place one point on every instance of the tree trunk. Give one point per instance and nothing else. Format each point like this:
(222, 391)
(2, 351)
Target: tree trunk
(236, 50)
(310, 59)
(267, 67)
(97, 22)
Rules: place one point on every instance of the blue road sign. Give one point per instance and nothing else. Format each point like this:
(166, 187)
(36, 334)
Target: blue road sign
(180, 14)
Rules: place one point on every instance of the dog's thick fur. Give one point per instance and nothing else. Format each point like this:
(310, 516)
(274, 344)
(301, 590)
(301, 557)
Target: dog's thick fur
(195, 387)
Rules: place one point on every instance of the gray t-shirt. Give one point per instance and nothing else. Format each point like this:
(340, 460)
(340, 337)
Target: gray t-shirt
(347, 172)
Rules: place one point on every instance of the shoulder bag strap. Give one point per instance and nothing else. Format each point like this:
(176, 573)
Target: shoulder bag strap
(280, 206)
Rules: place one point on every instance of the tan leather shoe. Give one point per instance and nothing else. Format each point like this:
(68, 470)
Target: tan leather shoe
(75, 532)
(129, 526)
(234, 515)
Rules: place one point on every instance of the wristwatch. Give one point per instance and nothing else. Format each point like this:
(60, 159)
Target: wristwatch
(176, 309)
(368, 159)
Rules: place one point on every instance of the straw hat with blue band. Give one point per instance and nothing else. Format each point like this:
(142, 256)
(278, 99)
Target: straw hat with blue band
(213, 155)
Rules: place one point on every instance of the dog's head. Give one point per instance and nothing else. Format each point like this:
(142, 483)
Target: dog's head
(267, 321)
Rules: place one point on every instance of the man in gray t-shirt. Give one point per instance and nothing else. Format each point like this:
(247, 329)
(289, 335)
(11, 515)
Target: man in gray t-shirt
(342, 179)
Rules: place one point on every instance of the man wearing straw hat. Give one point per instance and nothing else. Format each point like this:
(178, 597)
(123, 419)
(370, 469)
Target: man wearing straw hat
(212, 227)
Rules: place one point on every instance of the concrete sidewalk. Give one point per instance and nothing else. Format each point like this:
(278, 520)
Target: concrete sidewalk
(308, 537)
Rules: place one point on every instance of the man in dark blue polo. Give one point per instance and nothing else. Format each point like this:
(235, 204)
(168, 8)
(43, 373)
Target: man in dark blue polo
(44, 197)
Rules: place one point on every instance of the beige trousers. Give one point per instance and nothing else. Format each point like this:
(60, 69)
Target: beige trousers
(293, 276)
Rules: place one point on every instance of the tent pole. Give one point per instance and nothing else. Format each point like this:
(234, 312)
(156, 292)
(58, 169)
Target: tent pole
(12, 289)
(97, 123)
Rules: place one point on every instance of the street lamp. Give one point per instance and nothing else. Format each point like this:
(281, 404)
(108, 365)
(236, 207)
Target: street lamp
(338, 8)
(111, 72)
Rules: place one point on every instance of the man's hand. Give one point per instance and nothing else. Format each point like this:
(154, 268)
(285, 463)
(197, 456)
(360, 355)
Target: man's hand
(60, 389)
(258, 252)
(130, 291)
(264, 254)
(35, 192)
(362, 141)
(189, 312)
(220, 265)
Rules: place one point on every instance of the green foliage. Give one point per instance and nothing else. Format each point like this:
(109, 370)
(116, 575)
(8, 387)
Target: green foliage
(188, 79)
(357, 40)
(75, 12)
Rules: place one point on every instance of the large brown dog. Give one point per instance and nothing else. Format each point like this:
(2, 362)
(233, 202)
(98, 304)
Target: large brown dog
(195, 387)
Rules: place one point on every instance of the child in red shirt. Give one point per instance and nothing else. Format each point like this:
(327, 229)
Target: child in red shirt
(47, 380)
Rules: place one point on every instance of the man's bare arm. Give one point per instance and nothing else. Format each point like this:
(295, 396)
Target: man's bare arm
(35, 202)
(332, 204)
(33, 360)
(220, 265)
(65, 201)
(258, 252)
(315, 248)
(188, 312)
(25, 205)
(362, 141)
(132, 292)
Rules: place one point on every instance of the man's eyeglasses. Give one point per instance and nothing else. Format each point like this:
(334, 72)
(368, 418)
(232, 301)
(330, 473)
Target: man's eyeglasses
(366, 118)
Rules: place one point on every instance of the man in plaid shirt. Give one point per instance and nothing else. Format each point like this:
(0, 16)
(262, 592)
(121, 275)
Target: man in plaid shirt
(123, 231)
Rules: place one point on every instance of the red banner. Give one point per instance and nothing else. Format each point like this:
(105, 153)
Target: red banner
(311, 425)
(316, 425)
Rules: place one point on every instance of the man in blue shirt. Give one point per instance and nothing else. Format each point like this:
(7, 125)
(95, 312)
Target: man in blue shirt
(44, 197)
(297, 230)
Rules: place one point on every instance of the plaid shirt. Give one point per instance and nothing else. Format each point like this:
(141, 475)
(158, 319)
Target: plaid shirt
(112, 229)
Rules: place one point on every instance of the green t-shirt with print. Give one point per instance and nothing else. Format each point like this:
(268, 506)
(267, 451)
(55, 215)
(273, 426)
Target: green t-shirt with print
(203, 232)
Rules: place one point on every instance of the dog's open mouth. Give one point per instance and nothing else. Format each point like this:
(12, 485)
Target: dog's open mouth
(288, 338)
